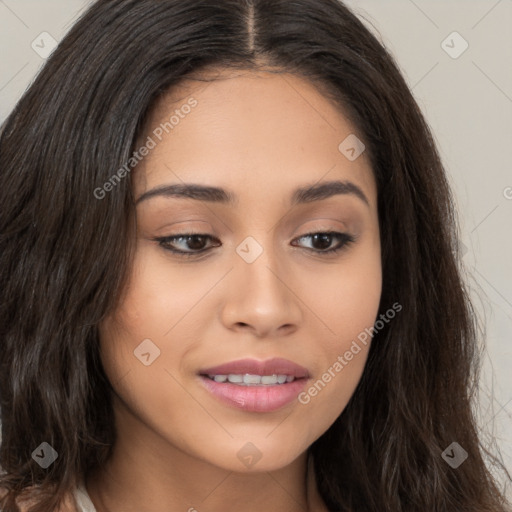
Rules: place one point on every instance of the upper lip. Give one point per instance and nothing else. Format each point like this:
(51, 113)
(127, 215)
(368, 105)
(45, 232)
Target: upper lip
(277, 366)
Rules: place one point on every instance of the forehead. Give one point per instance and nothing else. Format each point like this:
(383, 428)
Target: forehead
(250, 132)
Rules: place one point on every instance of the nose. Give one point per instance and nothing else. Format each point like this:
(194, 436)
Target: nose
(260, 297)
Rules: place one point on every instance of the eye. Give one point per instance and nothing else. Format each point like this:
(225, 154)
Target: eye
(194, 244)
(323, 241)
(193, 241)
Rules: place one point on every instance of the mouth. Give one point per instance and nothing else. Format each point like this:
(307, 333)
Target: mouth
(252, 380)
(252, 371)
(255, 386)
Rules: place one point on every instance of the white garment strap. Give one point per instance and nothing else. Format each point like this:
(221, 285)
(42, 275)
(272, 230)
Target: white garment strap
(83, 500)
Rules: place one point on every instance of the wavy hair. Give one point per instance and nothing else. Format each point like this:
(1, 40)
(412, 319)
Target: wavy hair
(64, 253)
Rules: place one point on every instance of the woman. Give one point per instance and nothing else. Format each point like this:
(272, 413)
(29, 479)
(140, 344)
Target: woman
(229, 272)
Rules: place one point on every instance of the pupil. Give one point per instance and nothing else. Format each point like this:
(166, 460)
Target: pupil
(196, 245)
(323, 238)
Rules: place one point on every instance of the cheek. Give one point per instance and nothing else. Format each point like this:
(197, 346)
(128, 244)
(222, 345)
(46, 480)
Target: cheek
(149, 309)
(347, 302)
(161, 313)
(345, 297)
(143, 343)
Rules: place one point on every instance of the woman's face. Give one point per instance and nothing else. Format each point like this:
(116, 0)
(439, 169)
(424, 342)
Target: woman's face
(257, 285)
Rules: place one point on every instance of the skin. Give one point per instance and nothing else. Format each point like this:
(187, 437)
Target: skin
(260, 135)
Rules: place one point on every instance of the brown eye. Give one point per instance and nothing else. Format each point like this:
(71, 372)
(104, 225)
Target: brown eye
(321, 241)
(190, 244)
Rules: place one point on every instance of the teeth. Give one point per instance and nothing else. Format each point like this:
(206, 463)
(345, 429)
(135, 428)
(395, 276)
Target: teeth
(253, 380)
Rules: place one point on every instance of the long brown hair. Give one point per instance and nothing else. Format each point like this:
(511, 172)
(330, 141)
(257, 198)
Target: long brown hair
(64, 252)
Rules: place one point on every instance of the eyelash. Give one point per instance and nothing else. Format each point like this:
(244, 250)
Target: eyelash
(345, 240)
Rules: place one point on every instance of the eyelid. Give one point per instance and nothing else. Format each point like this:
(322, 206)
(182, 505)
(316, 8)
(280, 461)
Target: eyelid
(325, 224)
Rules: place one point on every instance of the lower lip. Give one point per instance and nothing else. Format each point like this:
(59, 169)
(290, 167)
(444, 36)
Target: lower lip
(255, 398)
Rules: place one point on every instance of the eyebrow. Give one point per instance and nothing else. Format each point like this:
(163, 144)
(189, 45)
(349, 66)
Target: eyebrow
(305, 194)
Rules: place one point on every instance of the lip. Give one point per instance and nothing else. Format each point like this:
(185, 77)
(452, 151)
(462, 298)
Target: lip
(256, 398)
(254, 367)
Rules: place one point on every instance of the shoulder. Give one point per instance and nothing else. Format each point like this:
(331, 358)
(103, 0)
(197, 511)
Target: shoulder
(24, 502)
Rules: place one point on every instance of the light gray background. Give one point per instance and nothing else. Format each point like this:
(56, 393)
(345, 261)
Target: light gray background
(467, 101)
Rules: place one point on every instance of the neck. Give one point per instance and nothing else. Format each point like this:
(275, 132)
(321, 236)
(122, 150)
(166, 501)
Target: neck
(146, 472)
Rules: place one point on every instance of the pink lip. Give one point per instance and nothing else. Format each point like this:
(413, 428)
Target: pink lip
(276, 366)
(256, 398)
